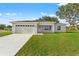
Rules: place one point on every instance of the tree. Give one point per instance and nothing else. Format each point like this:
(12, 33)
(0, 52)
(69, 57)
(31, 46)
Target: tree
(48, 18)
(9, 26)
(2, 26)
(70, 13)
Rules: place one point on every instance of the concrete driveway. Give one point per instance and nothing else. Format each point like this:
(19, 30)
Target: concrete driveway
(10, 44)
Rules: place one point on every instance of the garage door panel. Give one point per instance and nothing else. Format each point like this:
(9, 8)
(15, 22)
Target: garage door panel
(25, 29)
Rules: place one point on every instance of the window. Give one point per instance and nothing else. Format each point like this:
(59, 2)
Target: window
(59, 28)
(21, 25)
(24, 25)
(47, 27)
(16, 25)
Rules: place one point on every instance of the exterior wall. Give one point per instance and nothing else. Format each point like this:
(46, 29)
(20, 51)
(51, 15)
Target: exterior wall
(46, 24)
(35, 29)
(53, 27)
(63, 28)
(44, 28)
(13, 28)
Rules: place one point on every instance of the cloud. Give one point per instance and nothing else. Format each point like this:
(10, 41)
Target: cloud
(60, 4)
(43, 14)
(0, 14)
(52, 15)
(10, 14)
(7, 14)
(4, 21)
(13, 14)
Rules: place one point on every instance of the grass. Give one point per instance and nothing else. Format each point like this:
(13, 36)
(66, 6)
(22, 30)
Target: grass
(3, 33)
(55, 44)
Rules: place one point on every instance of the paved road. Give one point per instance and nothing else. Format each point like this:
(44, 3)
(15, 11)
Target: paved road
(10, 44)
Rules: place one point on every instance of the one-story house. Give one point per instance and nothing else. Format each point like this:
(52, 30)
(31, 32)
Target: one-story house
(36, 27)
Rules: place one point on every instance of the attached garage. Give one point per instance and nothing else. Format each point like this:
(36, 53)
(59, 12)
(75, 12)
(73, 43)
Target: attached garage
(27, 29)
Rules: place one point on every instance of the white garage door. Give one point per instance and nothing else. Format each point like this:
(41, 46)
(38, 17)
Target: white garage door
(25, 29)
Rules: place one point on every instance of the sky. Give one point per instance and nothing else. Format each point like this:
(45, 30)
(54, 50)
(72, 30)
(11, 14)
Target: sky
(26, 11)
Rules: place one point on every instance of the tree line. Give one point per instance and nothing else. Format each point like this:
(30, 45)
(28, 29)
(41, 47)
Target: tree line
(5, 27)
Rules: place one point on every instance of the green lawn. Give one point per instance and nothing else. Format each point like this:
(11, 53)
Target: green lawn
(55, 44)
(5, 33)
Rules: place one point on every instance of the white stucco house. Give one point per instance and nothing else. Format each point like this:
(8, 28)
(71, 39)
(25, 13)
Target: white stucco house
(36, 27)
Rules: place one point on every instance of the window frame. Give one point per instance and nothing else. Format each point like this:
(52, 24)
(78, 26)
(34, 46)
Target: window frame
(58, 27)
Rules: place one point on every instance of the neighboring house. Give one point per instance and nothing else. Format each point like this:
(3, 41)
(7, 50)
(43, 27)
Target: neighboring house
(37, 27)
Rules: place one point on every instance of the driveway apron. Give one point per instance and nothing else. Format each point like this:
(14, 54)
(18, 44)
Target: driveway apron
(11, 44)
